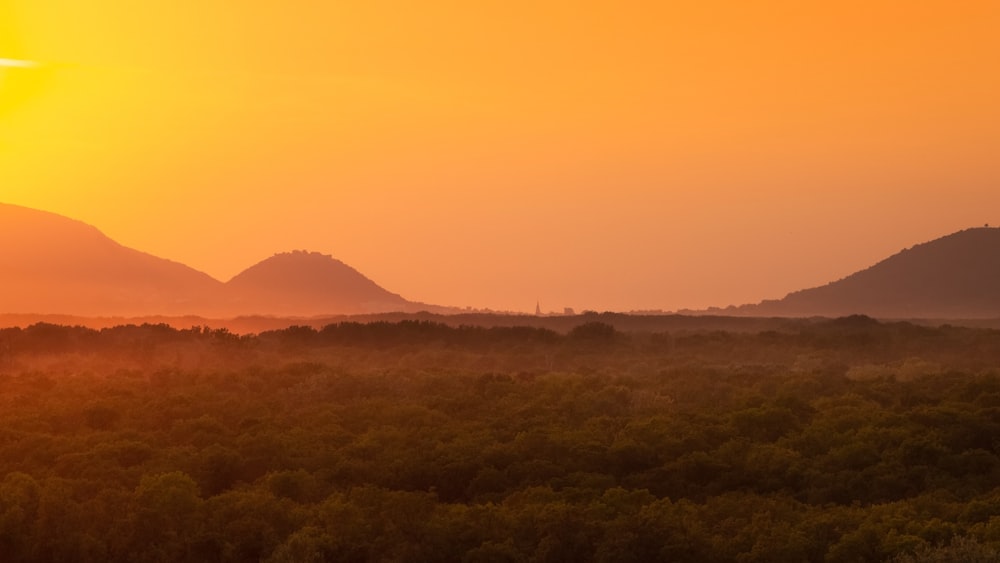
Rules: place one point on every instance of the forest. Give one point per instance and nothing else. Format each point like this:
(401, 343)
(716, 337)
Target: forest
(844, 440)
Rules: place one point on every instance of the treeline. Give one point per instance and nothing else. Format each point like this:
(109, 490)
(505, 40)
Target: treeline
(838, 343)
(849, 440)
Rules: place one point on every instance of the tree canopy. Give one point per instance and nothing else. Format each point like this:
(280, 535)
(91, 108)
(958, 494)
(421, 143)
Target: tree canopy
(849, 440)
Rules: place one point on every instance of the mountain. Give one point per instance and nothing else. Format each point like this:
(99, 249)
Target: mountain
(308, 283)
(953, 277)
(52, 264)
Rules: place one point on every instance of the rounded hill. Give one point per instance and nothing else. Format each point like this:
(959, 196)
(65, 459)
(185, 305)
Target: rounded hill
(309, 283)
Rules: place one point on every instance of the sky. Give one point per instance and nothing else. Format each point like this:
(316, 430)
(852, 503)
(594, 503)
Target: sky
(627, 155)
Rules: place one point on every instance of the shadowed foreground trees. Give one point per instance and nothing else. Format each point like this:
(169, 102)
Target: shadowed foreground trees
(840, 441)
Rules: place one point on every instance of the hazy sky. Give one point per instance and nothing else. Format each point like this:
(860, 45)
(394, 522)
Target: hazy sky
(603, 155)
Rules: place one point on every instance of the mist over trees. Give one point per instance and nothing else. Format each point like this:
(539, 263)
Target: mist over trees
(846, 440)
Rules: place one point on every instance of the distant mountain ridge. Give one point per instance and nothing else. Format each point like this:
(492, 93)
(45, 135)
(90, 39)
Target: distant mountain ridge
(50, 264)
(953, 277)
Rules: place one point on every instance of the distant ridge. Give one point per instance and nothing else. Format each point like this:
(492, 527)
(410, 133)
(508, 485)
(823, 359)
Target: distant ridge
(954, 277)
(53, 265)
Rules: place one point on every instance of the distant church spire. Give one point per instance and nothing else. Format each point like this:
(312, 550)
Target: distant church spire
(538, 309)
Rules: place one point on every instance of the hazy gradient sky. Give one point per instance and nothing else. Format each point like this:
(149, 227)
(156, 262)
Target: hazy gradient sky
(604, 155)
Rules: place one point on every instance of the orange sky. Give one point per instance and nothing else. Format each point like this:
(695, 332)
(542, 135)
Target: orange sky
(603, 155)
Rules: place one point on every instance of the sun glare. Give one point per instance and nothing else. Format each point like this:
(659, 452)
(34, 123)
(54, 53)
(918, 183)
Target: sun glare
(14, 63)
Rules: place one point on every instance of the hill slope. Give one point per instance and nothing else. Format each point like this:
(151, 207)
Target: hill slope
(52, 264)
(956, 276)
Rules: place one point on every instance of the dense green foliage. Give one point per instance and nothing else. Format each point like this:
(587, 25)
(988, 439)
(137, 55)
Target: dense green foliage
(848, 440)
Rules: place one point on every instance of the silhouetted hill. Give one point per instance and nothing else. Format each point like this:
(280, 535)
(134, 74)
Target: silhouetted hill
(309, 283)
(953, 277)
(52, 264)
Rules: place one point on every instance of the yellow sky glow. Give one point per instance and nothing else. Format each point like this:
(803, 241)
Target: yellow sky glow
(603, 155)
